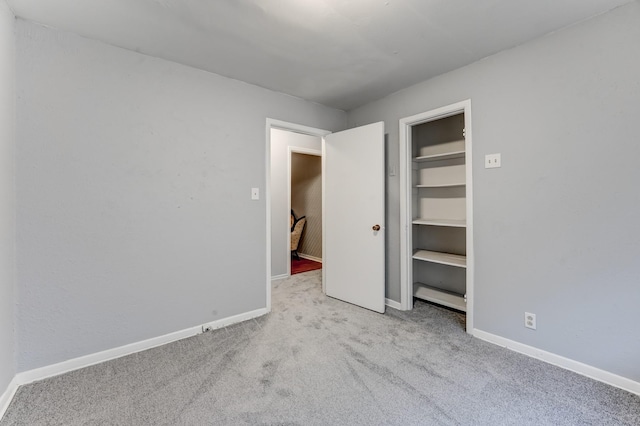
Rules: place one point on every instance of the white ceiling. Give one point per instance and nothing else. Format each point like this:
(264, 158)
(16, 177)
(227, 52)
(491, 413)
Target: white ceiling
(340, 53)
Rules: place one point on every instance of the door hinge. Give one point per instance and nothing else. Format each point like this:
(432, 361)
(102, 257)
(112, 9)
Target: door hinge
(464, 133)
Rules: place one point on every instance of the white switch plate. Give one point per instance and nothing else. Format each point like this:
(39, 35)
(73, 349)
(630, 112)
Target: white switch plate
(492, 161)
(255, 193)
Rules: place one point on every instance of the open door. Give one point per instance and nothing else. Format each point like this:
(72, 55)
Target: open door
(353, 184)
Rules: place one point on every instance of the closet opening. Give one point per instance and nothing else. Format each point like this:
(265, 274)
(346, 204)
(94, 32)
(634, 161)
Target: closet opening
(437, 215)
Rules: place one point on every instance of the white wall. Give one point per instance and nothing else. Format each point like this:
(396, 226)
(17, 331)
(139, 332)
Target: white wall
(281, 141)
(556, 228)
(7, 196)
(133, 194)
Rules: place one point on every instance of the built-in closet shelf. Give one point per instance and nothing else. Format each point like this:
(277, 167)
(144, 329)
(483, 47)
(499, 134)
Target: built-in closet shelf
(442, 258)
(436, 189)
(437, 157)
(439, 296)
(454, 223)
(441, 185)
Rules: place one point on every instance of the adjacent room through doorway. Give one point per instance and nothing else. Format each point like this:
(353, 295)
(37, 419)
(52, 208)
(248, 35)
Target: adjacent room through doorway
(306, 212)
(295, 193)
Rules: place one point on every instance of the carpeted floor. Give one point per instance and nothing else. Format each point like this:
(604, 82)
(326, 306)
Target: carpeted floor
(304, 265)
(319, 361)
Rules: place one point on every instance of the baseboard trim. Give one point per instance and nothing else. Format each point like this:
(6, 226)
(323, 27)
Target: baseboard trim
(562, 362)
(308, 257)
(225, 322)
(393, 304)
(41, 373)
(280, 277)
(7, 396)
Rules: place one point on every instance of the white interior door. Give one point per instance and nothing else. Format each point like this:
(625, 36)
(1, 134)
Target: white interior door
(353, 183)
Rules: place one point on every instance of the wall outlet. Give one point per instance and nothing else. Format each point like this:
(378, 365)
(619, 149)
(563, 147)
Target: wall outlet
(492, 161)
(530, 320)
(207, 328)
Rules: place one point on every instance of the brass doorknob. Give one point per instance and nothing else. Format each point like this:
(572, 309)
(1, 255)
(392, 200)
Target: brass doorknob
(376, 227)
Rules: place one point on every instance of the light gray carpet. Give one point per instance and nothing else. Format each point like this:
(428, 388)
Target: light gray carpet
(315, 360)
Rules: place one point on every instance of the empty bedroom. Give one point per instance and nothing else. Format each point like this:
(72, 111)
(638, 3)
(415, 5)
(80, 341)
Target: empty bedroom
(346, 212)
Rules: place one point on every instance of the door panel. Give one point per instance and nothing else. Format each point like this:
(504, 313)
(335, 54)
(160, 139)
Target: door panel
(354, 253)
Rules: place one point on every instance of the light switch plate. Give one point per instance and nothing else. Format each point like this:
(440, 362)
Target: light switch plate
(255, 193)
(492, 161)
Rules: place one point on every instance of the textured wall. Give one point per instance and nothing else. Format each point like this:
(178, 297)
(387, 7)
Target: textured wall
(7, 196)
(135, 216)
(306, 200)
(556, 228)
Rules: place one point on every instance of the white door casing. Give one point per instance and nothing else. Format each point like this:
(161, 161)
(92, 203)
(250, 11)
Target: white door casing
(353, 204)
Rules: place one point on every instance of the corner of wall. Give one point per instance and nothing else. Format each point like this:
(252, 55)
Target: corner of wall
(8, 340)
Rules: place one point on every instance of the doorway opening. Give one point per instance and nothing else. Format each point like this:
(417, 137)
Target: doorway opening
(353, 252)
(283, 140)
(305, 200)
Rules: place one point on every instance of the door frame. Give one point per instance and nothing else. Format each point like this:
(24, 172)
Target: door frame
(296, 150)
(406, 211)
(291, 127)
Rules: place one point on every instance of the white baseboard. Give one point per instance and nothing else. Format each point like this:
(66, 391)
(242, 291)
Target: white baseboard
(224, 322)
(7, 396)
(393, 304)
(280, 277)
(96, 358)
(306, 256)
(560, 361)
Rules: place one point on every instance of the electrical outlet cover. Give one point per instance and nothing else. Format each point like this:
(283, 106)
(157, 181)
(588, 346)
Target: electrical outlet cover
(530, 320)
(492, 161)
